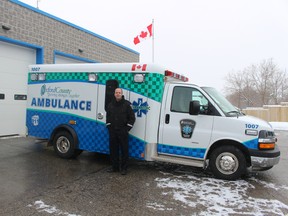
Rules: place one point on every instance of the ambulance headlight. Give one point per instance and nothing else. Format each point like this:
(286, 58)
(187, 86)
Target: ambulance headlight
(266, 140)
(41, 76)
(92, 77)
(34, 77)
(139, 78)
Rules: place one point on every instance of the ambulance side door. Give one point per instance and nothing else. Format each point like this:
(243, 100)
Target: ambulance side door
(182, 134)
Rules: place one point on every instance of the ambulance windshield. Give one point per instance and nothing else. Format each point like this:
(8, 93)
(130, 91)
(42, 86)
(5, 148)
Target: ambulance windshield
(222, 102)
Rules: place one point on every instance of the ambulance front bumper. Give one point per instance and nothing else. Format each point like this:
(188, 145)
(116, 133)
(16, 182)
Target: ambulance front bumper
(261, 160)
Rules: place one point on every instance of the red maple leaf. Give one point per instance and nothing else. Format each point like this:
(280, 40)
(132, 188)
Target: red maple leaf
(143, 34)
(136, 40)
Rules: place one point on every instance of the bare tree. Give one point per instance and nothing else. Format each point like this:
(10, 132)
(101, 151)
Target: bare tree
(279, 87)
(257, 85)
(235, 85)
(240, 88)
(262, 76)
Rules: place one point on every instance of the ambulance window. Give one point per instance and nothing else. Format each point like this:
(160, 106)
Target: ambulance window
(183, 95)
(111, 85)
(181, 99)
(198, 96)
(2, 96)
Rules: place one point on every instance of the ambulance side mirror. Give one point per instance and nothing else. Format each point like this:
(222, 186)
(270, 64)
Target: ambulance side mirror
(194, 107)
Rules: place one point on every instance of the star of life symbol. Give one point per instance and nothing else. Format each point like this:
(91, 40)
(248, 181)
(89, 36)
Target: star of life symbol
(187, 129)
(35, 120)
(140, 107)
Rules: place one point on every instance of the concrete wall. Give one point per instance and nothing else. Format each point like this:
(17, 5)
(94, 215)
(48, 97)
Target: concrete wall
(33, 26)
(278, 113)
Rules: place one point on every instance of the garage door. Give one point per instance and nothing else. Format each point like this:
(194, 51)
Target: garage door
(14, 61)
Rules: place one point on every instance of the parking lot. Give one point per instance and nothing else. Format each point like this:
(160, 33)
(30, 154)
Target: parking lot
(34, 181)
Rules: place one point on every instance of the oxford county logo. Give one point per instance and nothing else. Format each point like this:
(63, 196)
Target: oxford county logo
(43, 90)
(187, 128)
(140, 107)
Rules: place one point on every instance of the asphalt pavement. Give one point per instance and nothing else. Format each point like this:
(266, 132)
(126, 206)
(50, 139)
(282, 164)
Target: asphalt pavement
(35, 181)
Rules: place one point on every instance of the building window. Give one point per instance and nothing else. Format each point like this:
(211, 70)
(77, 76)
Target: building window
(2, 96)
(20, 97)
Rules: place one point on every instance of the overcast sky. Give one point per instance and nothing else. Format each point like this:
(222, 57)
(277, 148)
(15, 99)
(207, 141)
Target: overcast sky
(202, 39)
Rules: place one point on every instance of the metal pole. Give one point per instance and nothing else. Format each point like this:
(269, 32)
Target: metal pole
(152, 40)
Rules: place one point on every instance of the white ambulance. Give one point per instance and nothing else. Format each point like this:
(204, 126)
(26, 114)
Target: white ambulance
(176, 122)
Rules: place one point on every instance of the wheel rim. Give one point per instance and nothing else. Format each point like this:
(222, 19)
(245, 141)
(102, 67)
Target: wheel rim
(63, 144)
(227, 163)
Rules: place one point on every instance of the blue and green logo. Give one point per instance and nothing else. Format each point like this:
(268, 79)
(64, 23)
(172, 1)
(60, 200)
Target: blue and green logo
(140, 107)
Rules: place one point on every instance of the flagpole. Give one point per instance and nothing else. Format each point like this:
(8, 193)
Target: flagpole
(152, 40)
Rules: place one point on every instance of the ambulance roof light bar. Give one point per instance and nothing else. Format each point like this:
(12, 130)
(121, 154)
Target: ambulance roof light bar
(176, 76)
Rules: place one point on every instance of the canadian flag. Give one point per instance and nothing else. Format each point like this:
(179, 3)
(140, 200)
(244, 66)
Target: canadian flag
(140, 67)
(147, 33)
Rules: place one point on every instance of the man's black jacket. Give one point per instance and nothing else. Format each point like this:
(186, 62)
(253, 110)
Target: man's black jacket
(120, 115)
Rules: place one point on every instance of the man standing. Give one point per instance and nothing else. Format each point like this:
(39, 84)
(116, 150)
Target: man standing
(119, 121)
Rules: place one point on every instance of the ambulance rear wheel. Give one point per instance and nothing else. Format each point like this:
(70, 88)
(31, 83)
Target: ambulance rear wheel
(64, 145)
(227, 162)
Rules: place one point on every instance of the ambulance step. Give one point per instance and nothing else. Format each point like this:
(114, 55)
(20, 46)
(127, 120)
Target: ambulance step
(177, 160)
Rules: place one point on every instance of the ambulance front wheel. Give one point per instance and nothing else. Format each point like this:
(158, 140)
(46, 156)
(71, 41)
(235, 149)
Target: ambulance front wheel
(64, 145)
(227, 162)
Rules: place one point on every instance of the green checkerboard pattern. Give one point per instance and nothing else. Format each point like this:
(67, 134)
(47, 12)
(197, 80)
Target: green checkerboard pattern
(79, 76)
(151, 88)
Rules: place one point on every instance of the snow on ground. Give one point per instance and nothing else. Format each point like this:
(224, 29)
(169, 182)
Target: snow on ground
(217, 197)
(40, 206)
(279, 125)
(221, 198)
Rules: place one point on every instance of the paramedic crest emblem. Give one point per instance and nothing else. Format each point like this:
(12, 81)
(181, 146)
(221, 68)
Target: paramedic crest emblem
(187, 128)
(140, 107)
(35, 120)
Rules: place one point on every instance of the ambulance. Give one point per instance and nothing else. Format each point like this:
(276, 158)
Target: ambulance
(176, 121)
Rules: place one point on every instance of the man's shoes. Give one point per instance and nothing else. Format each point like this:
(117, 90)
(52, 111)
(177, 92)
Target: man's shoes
(111, 170)
(124, 172)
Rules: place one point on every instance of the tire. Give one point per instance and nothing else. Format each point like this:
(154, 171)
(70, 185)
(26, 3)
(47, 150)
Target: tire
(227, 162)
(64, 145)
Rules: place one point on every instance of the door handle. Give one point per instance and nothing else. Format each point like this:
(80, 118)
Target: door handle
(167, 118)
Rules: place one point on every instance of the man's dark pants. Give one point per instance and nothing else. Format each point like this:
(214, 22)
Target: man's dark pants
(119, 141)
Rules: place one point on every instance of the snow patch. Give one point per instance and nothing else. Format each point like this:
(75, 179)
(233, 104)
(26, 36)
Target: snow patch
(40, 206)
(157, 206)
(270, 185)
(219, 197)
(279, 125)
